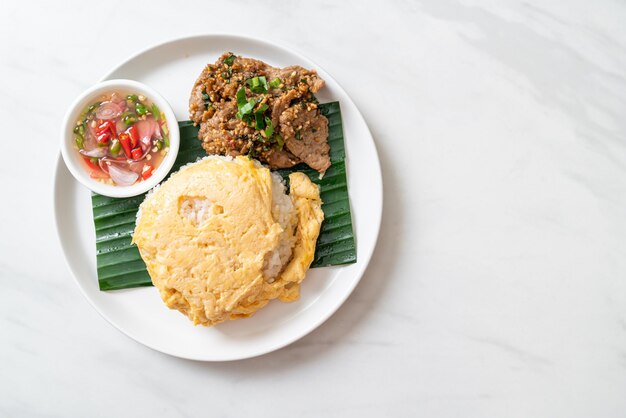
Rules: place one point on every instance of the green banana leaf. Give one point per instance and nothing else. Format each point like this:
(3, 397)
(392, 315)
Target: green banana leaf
(119, 264)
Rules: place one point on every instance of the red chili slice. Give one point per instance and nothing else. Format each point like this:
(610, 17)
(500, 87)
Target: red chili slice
(90, 164)
(125, 141)
(105, 126)
(104, 137)
(146, 172)
(136, 153)
(134, 136)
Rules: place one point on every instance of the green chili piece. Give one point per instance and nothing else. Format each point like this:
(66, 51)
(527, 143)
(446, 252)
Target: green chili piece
(80, 129)
(140, 109)
(80, 142)
(128, 118)
(93, 107)
(115, 147)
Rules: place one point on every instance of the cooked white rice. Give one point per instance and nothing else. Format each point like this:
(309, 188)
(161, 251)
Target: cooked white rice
(284, 213)
(196, 209)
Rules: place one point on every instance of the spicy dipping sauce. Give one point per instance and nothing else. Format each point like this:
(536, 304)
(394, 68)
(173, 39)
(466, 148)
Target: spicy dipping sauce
(122, 138)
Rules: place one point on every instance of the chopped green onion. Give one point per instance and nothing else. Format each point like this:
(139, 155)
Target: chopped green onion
(156, 112)
(275, 83)
(259, 114)
(241, 97)
(244, 106)
(80, 142)
(229, 60)
(262, 108)
(132, 98)
(159, 144)
(258, 117)
(279, 142)
(298, 136)
(94, 160)
(247, 118)
(258, 84)
(206, 99)
(166, 141)
(115, 147)
(269, 131)
(140, 109)
(247, 108)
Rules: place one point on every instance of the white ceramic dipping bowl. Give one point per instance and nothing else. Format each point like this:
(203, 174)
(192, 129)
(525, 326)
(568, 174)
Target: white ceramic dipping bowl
(73, 158)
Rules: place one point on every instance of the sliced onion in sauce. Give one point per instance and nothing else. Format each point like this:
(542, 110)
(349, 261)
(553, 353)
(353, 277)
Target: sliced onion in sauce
(109, 110)
(121, 176)
(148, 128)
(120, 126)
(145, 143)
(91, 132)
(97, 152)
(103, 166)
(136, 166)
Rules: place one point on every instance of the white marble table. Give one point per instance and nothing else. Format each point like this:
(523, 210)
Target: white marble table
(498, 288)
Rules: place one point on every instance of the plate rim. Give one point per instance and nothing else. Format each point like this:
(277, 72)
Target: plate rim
(358, 274)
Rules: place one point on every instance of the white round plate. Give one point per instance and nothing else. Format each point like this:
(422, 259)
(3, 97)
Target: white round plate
(171, 69)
